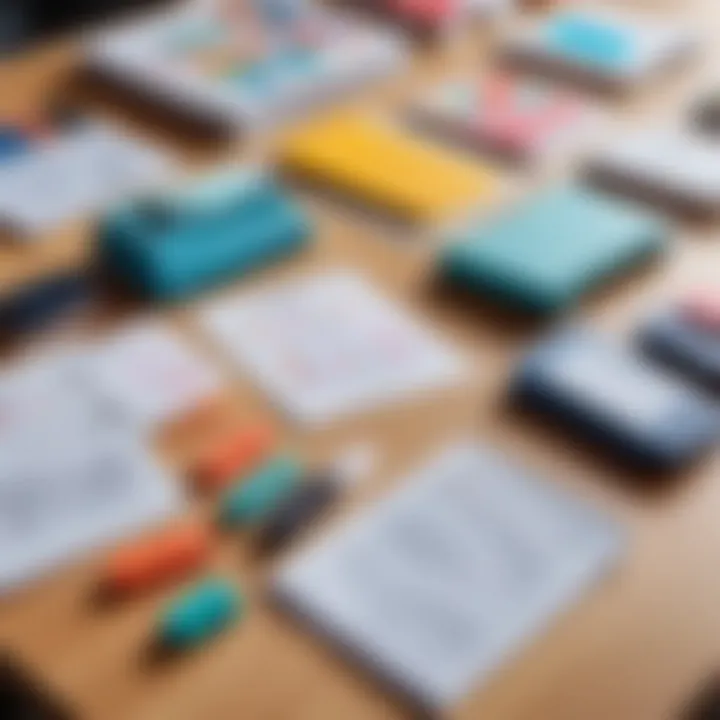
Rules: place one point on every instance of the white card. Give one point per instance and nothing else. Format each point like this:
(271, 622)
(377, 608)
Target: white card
(680, 165)
(328, 345)
(74, 174)
(434, 587)
(73, 474)
(152, 374)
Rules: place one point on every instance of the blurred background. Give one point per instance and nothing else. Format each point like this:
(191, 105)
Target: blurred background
(26, 21)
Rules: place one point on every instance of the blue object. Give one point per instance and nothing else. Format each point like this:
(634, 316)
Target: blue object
(275, 73)
(683, 346)
(199, 615)
(591, 41)
(171, 247)
(13, 142)
(281, 15)
(613, 398)
(253, 499)
(40, 303)
(300, 61)
(258, 78)
(541, 255)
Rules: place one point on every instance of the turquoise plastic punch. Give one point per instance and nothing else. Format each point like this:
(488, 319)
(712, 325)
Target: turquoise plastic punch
(591, 41)
(171, 246)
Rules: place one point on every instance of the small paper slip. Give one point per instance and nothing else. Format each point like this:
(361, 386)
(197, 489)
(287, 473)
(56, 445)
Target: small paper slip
(73, 474)
(74, 174)
(152, 374)
(328, 345)
(437, 585)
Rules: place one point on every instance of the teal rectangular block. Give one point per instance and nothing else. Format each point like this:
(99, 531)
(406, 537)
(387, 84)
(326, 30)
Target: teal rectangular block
(174, 246)
(542, 255)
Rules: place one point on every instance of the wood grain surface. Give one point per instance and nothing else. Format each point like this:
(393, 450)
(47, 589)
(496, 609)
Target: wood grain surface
(632, 650)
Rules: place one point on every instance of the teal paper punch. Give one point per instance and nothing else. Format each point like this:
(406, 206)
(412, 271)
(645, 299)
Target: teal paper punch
(171, 246)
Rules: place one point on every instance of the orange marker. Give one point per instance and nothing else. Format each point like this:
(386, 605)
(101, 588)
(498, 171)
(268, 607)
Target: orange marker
(154, 560)
(236, 453)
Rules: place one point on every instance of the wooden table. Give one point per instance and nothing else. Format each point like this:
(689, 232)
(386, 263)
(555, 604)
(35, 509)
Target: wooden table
(633, 650)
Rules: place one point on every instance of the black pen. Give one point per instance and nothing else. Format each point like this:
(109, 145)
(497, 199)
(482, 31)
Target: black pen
(312, 498)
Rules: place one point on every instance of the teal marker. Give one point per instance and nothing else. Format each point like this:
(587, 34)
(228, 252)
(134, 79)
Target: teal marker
(254, 499)
(200, 614)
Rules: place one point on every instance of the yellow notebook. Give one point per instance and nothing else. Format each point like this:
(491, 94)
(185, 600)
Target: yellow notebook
(381, 164)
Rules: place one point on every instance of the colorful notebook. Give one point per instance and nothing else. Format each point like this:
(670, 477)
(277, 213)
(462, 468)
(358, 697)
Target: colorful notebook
(544, 253)
(612, 397)
(613, 48)
(519, 118)
(383, 165)
(229, 71)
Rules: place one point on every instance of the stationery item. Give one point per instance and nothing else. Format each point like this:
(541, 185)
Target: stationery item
(521, 119)
(612, 49)
(545, 253)
(199, 615)
(611, 396)
(40, 303)
(381, 164)
(234, 455)
(14, 142)
(23, 697)
(76, 172)
(93, 482)
(300, 509)
(154, 560)
(312, 498)
(426, 14)
(253, 499)
(686, 339)
(702, 309)
(437, 585)
(151, 374)
(284, 15)
(706, 113)
(328, 345)
(707, 705)
(171, 246)
(228, 69)
(440, 15)
(675, 169)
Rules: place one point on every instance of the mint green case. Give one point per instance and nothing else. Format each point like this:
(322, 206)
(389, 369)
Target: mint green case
(544, 253)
